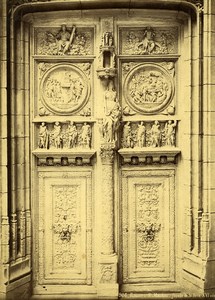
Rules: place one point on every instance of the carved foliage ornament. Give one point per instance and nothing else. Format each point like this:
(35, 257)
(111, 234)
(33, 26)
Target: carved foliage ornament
(66, 226)
(64, 89)
(148, 226)
(148, 88)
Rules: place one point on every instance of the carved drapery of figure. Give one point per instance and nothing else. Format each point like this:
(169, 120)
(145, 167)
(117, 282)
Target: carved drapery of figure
(170, 133)
(110, 123)
(73, 135)
(43, 136)
(64, 39)
(155, 134)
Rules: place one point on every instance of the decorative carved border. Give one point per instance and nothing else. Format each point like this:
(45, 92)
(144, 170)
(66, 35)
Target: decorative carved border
(164, 271)
(47, 180)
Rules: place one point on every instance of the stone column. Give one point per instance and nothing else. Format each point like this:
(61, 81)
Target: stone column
(108, 286)
(107, 155)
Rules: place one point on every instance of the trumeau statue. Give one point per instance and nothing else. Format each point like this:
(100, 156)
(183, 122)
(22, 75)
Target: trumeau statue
(110, 123)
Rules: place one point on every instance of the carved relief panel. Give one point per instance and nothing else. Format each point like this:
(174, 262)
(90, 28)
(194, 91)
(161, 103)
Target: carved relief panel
(64, 40)
(65, 214)
(148, 88)
(63, 88)
(148, 40)
(148, 203)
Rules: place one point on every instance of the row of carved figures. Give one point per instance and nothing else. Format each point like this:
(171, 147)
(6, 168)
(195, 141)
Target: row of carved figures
(149, 135)
(139, 135)
(67, 136)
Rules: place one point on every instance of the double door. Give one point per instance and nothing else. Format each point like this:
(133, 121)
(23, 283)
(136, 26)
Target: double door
(105, 118)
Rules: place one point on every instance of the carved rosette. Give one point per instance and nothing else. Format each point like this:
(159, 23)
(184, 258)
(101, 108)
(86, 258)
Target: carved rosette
(64, 89)
(148, 88)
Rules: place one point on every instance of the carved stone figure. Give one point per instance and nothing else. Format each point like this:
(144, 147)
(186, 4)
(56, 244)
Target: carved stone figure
(141, 135)
(127, 136)
(56, 135)
(112, 112)
(148, 43)
(86, 135)
(73, 135)
(43, 136)
(170, 132)
(155, 135)
(108, 39)
(64, 39)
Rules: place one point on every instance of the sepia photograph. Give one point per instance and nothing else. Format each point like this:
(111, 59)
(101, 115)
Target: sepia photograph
(107, 149)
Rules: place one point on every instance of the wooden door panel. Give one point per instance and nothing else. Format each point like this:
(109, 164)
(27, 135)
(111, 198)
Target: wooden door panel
(148, 226)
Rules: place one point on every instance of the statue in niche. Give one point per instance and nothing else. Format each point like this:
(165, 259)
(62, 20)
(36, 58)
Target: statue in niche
(73, 135)
(127, 136)
(155, 135)
(148, 43)
(86, 135)
(43, 136)
(112, 112)
(107, 57)
(64, 39)
(169, 131)
(56, 135)
(141, 135)
(108, 39)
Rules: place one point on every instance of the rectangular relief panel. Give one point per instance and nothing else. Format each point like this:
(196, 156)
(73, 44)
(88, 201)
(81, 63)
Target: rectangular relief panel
(148, 226)
(148, 40)
(65, 228)
(64, 40)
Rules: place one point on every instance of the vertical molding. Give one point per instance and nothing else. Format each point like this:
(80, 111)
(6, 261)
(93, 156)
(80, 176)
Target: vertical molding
(4, 220)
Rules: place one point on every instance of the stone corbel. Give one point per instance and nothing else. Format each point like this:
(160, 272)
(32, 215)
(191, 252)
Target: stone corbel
(64, 157)
(149, 155)
(107, 153)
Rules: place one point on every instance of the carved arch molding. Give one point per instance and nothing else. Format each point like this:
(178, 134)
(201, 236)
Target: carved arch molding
(106, 100)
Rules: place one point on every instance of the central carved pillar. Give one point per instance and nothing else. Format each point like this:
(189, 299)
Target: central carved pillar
(107, 155)
(108, 262)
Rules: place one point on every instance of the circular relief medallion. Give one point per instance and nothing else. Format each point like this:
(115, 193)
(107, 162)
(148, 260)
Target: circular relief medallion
(148, 88)
(65, 89)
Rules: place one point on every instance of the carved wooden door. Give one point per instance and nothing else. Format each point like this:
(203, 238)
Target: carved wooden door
(104, 127)
(147, 69)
